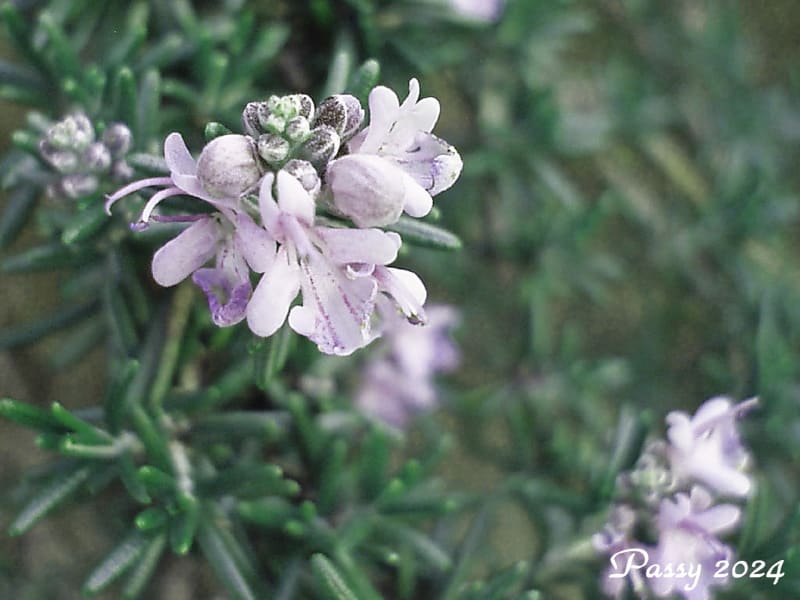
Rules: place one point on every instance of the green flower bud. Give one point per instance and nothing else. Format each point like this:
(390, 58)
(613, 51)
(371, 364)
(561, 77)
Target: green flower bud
(272, 148)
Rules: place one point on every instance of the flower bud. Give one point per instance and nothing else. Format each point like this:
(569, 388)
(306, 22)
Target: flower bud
(367, 189)
(63, 161)
(75, 132)
(305, 173)
(321, 146)
(297, 129)
(272, 148)
(343, 112)
(78, 185)
(250, 119)
(118, 139)
(228, 166)
(96, 158)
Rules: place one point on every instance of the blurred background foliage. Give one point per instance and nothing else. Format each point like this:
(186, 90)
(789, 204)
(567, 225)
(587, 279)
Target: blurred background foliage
(629, 218)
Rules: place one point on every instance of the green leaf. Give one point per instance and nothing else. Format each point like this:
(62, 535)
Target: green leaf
(65, 60)
(30, 416)
(144, 569)
(32, 331)
(85, 224)
(156, 480)
(215, 130)
(424, 234)
(57, 491)
(364, 79)
(121, 558)
(45, 257)
(154, 517)
(78, 425)
(332, 583)
(19, 206)
(147, 107)
(183, 527)
(223, 562)
(267, 512)
(267, 426)
(249, 481)
(271, 356)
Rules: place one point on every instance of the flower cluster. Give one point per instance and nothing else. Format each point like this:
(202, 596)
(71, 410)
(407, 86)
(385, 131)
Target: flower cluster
(399, 382)
(668, 509)
(72, 148)
(265, 192)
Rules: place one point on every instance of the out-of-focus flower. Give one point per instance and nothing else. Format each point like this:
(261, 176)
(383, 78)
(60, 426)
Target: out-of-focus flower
(70, 147)
(332, 266)
(688, 526)
(670, 498)
(400, 382)
(478, 10)
(395, 164)
(183, 180)
(707, 448)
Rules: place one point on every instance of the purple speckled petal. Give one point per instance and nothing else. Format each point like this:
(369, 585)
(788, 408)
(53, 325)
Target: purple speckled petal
(227, 298)
(336, 311)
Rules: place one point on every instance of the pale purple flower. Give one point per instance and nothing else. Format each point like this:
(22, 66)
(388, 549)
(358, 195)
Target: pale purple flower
(688, 526)
(332, 267)
(400, 383)
(236, 245)
(183, 180)
(478, 10)
(395, 164)
(706, 447)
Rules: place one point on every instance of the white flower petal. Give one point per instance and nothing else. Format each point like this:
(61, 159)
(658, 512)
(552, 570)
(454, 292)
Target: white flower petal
(293, 199)
(270, 213)
(416, 201)
(370, 246)
(179, 159)
(383, 111)
(187, 252)
(273, 295)
(255, 244)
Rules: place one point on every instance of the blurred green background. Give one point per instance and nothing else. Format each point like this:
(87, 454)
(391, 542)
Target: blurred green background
(629, 216)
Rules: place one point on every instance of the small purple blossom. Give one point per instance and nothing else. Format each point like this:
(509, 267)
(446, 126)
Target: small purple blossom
(395, 164)
(707, 448)
(673, 495)
(183, 180)
(479, 10)
(331, 266)
(400, 383)
(688, 526)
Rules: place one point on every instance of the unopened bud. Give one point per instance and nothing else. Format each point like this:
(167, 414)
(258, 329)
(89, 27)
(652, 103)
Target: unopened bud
(343, 112)
(74, 132)
(78, 185)
(63, 161)
(250, 118)
(118, 139)
(96, 158)
(367, 189)
(297, 129)
(228, 166)
(321, 146)
(272, 148)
